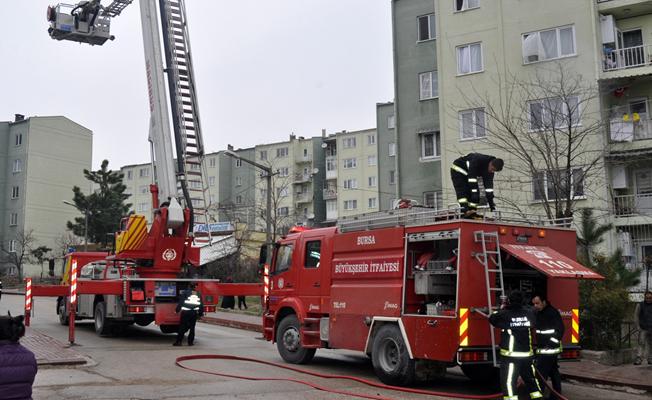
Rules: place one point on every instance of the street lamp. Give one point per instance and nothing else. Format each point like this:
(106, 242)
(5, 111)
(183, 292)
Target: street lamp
(268, 180)
(85, 212)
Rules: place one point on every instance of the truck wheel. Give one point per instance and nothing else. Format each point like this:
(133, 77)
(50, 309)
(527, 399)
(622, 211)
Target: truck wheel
(169, 328)
(485, 374)
(143, 320)
(61, 310)
(102, 325)
(390, 357)
(288, 342)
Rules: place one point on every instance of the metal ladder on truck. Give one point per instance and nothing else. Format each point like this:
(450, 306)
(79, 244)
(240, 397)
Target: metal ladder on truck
(185, 113)
(490, 260)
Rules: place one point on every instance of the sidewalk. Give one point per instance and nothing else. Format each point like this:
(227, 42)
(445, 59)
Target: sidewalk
(234, 320)
(49, 351)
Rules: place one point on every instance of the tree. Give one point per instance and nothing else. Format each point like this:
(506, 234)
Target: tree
(39, 253)
(590, 235)
(64, 242)
(24, 242)
(282, 216)
(104, 207)
(546, 122)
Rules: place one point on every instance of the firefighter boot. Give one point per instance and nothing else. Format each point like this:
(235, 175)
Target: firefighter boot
(177, 343)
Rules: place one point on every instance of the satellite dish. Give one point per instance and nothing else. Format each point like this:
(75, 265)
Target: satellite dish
(324, 145)
(315, 171)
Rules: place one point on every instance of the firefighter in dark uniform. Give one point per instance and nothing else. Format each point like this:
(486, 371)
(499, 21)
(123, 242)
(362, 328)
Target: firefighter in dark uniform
(516, 352)
(191, 307)
(465, 172)
(549, 330)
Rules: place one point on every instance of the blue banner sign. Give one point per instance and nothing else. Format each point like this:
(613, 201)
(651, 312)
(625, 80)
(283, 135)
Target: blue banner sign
(214, 228)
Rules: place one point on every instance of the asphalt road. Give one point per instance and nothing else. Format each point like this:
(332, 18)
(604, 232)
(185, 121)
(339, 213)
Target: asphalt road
(140, 365)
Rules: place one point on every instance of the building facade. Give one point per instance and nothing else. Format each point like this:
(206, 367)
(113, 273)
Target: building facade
(385, 129)
(41, 160)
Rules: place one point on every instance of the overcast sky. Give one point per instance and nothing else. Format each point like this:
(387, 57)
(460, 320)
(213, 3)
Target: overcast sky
(264, 69)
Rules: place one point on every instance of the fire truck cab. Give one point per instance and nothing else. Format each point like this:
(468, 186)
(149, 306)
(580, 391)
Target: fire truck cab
(413, 288)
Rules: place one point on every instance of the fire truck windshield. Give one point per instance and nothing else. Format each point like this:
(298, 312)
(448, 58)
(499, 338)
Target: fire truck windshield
(284, 257)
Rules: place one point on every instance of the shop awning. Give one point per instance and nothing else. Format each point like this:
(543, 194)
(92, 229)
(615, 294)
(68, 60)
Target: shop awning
(550, 262)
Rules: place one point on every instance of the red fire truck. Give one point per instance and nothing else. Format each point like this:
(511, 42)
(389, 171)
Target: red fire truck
(412, 288)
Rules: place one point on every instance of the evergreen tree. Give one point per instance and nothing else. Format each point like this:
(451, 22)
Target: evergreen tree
(103, 208)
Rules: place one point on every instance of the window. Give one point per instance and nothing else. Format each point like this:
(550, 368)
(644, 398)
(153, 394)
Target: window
(313, 253)
(12, 246)
(350, 184)
(18, 165)
(428, 85)
(238, 163)
(238, 181)
(372, 202)
(13, 219)
(281, 152)
(211, 181)
(212, 162)
(331, 206)
(284, 258)
(331, 164)
(283, 171)
(283, 211)
(263, 193)
(194, 167)
(426, 24)
(305, 153)
(348, 143)
(643, 181)
(392, 149)
(430, 147)
(392, 177)
(194, 184)
(391, 121)
(282, 192)
(143, 172)
(372, 181)
(548, 44)
(550, 185)
(263, 154)
(238, 199)
(433, 199)
(15, 192)
(469, 59)
(142, 207)
(371, 140)
(130, 175)
(553, 113)
(143, 189)
(18, 139)
(462, 5)
(350, 204)
(472, 124)
(371, 160)
(350, 163)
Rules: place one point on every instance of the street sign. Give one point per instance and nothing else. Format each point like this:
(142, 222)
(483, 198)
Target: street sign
(218, 227)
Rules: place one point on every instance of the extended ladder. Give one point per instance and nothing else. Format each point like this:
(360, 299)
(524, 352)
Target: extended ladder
(490, 260)
(185, 112)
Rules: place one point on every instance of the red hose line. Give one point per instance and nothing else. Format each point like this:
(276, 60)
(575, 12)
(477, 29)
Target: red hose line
(181, 359)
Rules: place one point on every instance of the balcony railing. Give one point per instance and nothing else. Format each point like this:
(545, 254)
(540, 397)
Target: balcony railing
(301, 177)
(332, 174)
(330, 194)
(629, 57)
(630, 205)
(627, 129)
(303, 197)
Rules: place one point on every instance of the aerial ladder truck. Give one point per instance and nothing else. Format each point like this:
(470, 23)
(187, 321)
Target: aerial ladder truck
(152, 264)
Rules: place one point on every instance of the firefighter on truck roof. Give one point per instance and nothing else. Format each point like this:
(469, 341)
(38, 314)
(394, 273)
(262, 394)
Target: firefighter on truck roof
(191, 308)
(465, 172)
(516, 352)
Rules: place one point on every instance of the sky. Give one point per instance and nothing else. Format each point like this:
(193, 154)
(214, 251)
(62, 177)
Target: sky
(264, 69)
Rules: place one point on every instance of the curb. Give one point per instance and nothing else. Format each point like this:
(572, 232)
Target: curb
(233, 324)
(602, 381)
(12, 291)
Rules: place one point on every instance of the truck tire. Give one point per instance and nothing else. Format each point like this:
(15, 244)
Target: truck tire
(485, 374)
(143, 320)
(390, 357)
(169, 328)
(288, 342)
(102, 323)
(61, 310)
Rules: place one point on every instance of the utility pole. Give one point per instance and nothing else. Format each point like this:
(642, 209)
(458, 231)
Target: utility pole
(268, 181)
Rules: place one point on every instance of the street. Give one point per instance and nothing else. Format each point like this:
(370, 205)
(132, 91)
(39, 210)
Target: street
(140, 365)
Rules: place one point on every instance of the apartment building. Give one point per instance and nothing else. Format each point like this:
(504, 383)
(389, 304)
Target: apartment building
(482, 46)
(351, 185)
(385, 129)
(41, 160)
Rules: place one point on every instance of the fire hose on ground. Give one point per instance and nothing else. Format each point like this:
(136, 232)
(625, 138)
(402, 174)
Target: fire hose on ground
(180, 360)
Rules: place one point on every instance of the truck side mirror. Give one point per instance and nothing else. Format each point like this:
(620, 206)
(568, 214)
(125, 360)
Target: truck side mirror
(263, 255)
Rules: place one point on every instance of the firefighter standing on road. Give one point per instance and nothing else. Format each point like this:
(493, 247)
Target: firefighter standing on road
(549, 329)
(465, 172)
(191, 307)
(515, 347)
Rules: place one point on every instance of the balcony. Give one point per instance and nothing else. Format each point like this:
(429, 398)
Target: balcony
(631, 205)
(630, 127)
(330, 193)
(628, 61)
(304, 159)
(300, 177)
(303, 197)
(331, 215)
(624, 8)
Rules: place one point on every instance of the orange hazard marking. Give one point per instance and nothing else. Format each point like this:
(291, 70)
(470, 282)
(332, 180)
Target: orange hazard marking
(464, 326)
(575, 326)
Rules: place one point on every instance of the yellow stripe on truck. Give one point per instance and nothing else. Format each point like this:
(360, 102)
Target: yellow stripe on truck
(575, 327)
(464, 326)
